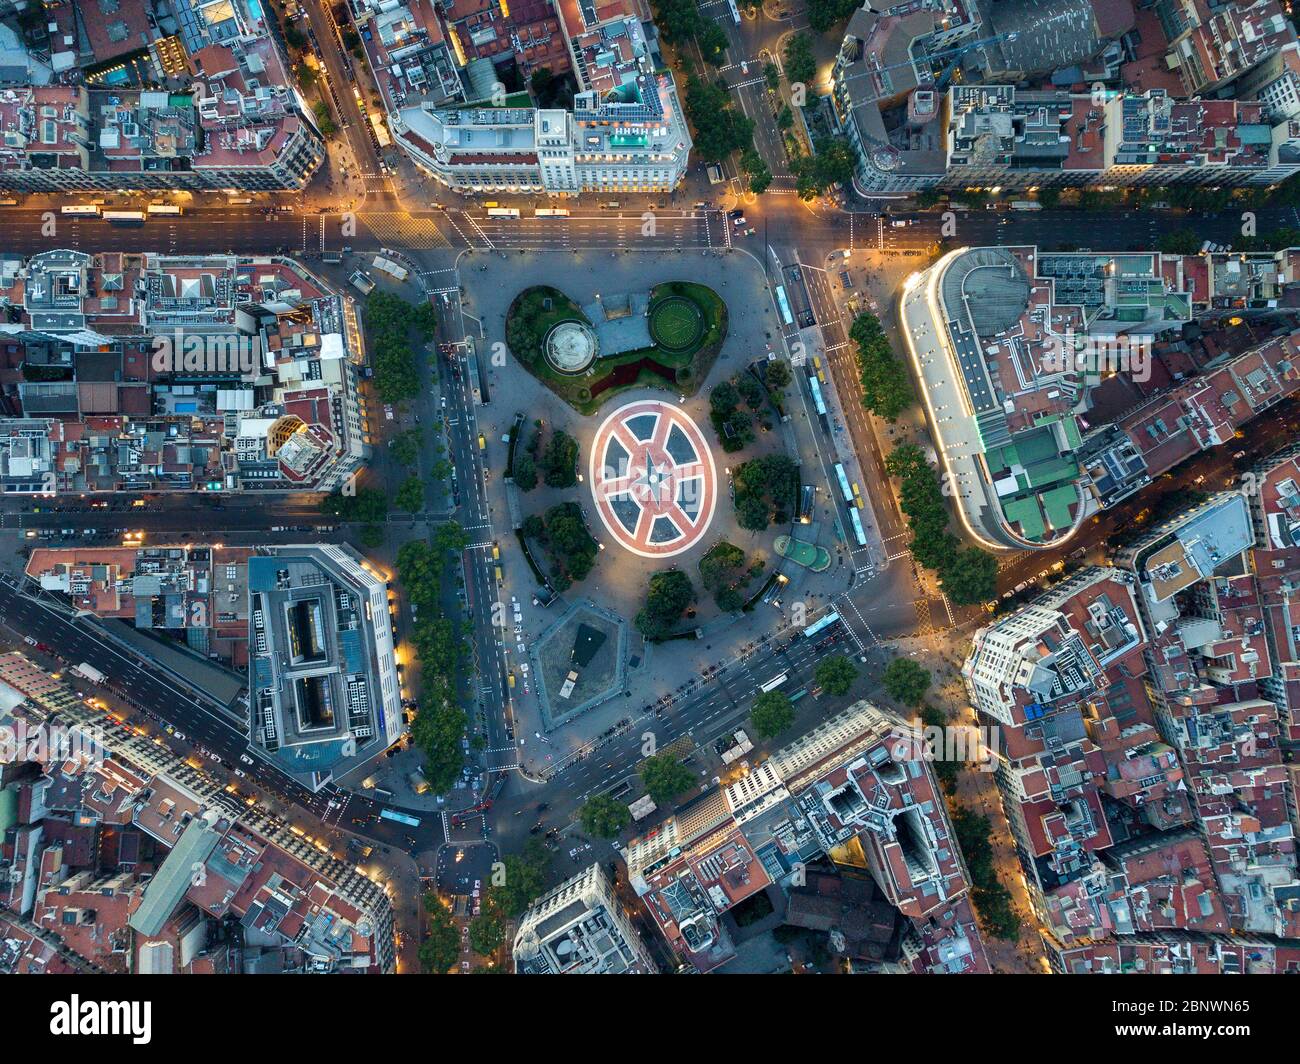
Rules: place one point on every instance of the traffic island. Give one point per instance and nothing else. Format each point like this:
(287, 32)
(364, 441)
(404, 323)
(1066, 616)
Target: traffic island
(809, 555)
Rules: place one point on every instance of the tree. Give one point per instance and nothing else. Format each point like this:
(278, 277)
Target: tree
(406, 446)
(560, 461)
(723, 572)
(719, 130)
(784, 117)
(541, 81)
(487, 931)
(524, 472)
(772, 713)
(410, 495)
(836, 674)
(665, 778)
(886, 387)
(324, 120)
(764, 487)
(604, 817)
(800, 66)
(906, 681)
(778, 374)
(441, 945)
(970, 576)
(713, 43)
(524, 877)
(365, 504)
(772, 75)
(1181, 242)
(831, 165)
(667, 597)
(823, 14)
(371, 536)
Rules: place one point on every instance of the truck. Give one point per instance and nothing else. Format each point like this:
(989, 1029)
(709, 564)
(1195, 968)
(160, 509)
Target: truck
(1026, 205)
(88, 672)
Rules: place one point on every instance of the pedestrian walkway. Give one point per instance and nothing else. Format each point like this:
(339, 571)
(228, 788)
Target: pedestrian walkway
(400, 228)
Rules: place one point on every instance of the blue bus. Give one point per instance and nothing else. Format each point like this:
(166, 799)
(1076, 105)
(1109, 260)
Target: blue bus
(818, 402)
(821, 626)
(844, 484)
(401, 818)
(783, 305)
(858, 534)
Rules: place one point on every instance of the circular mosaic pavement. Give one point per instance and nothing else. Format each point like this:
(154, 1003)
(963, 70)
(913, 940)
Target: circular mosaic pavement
(653, 479)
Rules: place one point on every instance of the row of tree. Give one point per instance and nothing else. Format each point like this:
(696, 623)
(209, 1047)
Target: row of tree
(439, 644)
(389, 322)
(886, 387)
(969, 574)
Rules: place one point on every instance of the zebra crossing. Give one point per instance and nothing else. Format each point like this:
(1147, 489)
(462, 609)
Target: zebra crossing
(401, 228)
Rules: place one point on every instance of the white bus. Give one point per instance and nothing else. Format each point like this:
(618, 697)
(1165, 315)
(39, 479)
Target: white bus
(550, 212)
(774, 683)
(81, 210)
(168, 209)
(124, 217)
(503, 212)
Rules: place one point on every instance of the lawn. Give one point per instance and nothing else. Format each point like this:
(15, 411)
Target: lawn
(681, 312)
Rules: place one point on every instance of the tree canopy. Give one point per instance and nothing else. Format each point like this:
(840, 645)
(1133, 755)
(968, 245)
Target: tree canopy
(836, 674)
(665, 778)
(906, 681)
(604, 817)
(667, 597)
(772, 713)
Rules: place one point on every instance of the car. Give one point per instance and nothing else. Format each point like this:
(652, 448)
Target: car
(213, 757)
(245, 759)
(737, 213)
(388, 412)
(29, 641)
(178, 735)
(241, 773)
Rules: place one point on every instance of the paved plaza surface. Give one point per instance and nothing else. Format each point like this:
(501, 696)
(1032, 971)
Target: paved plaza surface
(634, 514)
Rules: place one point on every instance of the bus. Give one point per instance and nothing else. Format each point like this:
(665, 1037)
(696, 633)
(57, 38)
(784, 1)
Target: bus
(806, 504)
(857, 496)
(817, 368)
(550, 212)
(815, 629)
(169, 209)
(400, 818)
(818, 402)
(858, 534)
(238, 201)
(783, 305)
(503, 212)
(774, 683)
(124, 217)
(81, 210)
(845, 490)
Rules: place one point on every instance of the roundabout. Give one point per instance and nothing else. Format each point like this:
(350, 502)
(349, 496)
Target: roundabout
(653, 480)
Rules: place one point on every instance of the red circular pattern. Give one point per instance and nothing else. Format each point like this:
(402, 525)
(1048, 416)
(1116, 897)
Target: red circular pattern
(653, 502)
